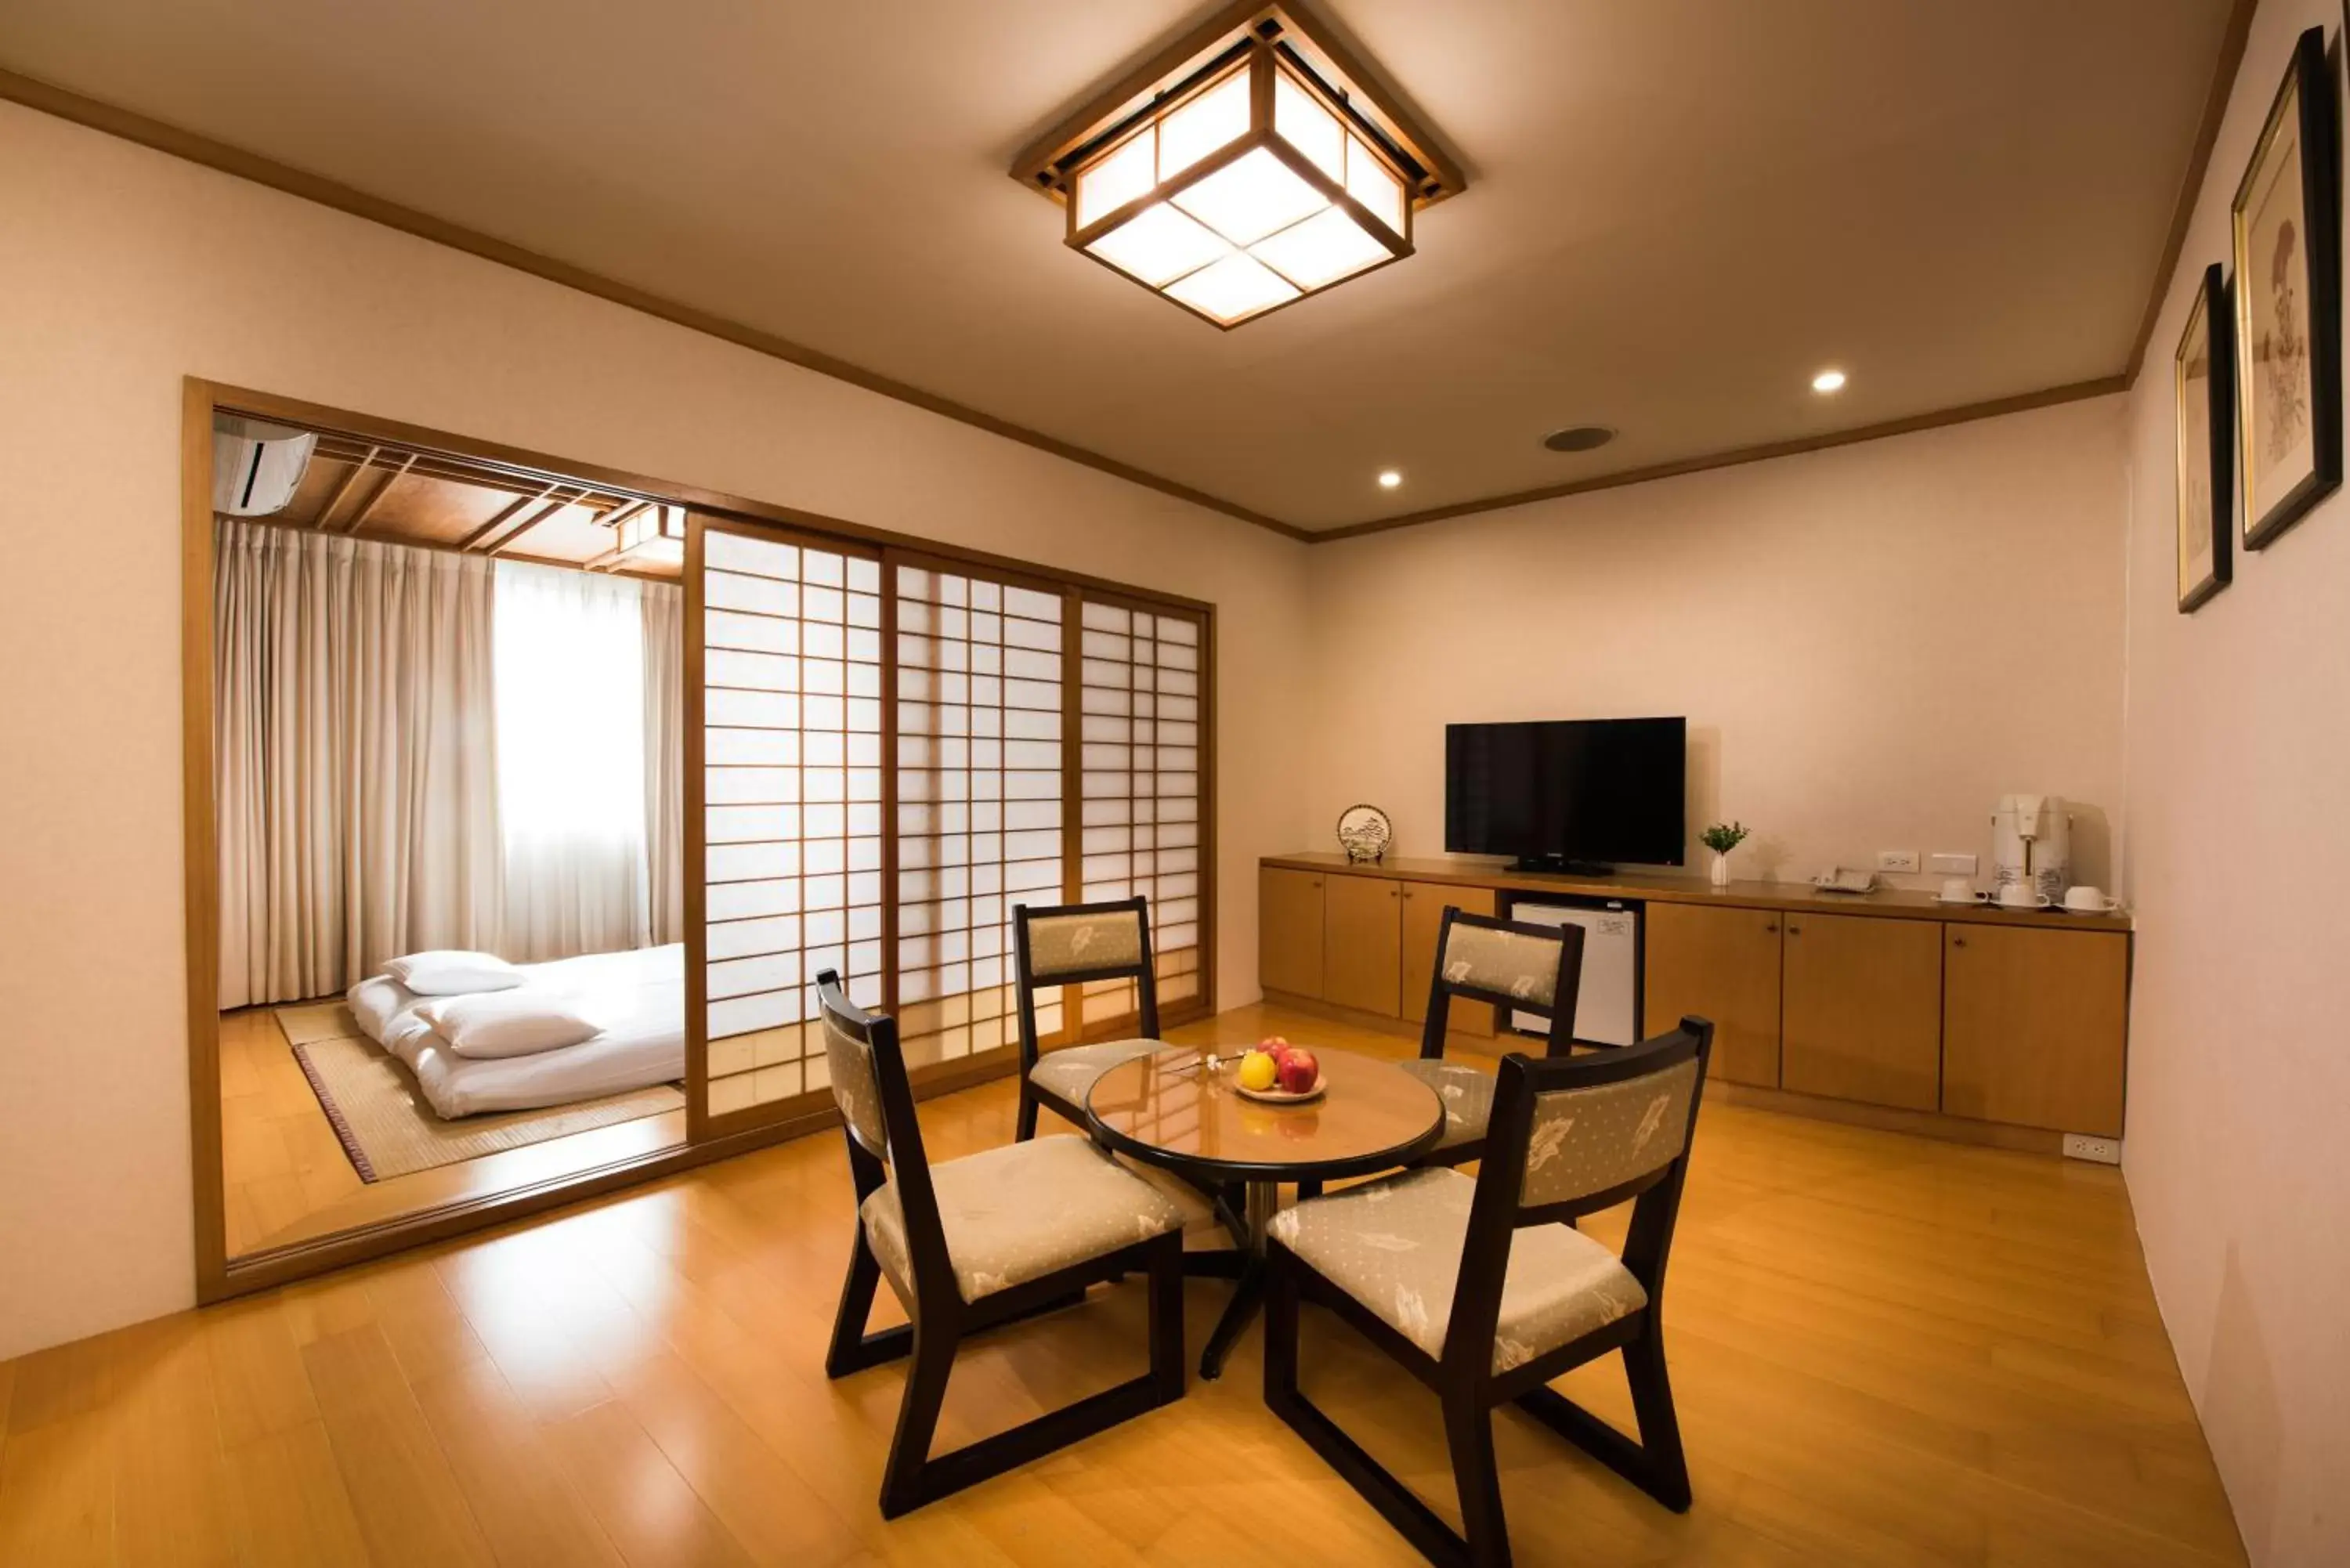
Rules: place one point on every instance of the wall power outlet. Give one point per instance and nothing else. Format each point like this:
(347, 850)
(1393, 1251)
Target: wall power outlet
(2104, 1150)
(1896, 860)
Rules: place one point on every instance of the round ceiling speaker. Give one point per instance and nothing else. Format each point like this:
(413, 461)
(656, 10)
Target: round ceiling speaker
(1579, 437)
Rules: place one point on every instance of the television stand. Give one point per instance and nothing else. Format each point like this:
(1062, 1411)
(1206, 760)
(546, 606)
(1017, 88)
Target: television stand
(1562, 867)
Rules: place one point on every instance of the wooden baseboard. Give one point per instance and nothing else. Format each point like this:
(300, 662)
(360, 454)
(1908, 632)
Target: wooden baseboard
(305, 1259)
(1888, 1118)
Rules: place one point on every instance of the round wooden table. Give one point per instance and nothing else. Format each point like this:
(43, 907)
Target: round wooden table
(1170, 1109)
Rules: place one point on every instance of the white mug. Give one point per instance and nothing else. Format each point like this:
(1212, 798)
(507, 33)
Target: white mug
(2084, 899)
(1958, 891)
(2017, 895)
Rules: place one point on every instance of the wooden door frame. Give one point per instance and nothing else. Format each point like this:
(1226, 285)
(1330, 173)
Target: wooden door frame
(220, 1277)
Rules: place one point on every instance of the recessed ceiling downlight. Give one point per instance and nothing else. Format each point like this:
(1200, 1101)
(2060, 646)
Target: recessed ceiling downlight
(1389, 479)
(1579, 437)
(1828, 381)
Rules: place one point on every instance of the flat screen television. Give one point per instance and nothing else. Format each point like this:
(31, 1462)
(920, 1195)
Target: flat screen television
(1581, 793)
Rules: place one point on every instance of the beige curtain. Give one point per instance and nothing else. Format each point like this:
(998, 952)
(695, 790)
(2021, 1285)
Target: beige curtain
(664, 619)
(355, 750)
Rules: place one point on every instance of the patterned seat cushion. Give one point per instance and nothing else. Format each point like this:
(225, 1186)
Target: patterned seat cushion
(1070, 1073)
(1394, 1245)
(1468, 1096)
(1020, 1212)
(1202, 1231)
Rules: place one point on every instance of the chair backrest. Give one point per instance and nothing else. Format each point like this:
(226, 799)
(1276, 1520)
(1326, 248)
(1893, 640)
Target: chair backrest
(1572, 1137)
(1536, 969)
(870, 1086)
(1072, 944)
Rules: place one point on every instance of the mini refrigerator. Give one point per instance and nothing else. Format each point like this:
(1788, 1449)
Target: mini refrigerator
(1608, 1008)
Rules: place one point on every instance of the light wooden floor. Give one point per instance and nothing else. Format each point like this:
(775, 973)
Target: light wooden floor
(1886, 1350)
(285, 1179)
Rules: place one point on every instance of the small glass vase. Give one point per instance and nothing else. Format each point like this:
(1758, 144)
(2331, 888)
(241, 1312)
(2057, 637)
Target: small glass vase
(1718, 872)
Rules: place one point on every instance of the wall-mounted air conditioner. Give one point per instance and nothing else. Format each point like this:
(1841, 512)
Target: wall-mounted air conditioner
(256, 464)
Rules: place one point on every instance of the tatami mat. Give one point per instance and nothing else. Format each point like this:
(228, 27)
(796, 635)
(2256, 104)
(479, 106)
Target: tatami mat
(388, 1128)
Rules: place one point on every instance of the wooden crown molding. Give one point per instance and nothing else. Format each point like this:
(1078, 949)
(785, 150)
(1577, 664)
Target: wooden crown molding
(2198, 163)
(219, 155)
(194, 148)
(2070, 393)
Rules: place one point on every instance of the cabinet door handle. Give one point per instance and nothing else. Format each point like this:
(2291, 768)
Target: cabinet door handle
(1958, 941)
(1794, 930)
(1772, 930)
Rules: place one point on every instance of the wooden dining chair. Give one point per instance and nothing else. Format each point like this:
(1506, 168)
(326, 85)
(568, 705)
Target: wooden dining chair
(1075, 944)
(973, 1243)
(1482, 1288)
(1531, 969)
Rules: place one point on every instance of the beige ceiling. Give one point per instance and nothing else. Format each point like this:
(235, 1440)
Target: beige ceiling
(1678, 209)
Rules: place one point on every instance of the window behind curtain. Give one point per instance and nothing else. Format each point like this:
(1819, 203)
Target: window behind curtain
(571, 760)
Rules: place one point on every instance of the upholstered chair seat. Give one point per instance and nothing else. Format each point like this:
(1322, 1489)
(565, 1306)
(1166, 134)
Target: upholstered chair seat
(1395, 1246)
(972, 1244)
(1021, 1211)
(1527, 968)
(1468, 1096)
(1078, 944)
(1070, 1072)
(1483, 1289)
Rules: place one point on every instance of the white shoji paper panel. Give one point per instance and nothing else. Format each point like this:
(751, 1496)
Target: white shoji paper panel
(792, 795)
(1139, 746)
(979, 803)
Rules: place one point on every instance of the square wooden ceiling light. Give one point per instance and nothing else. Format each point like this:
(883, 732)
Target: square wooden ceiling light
(1248, 165)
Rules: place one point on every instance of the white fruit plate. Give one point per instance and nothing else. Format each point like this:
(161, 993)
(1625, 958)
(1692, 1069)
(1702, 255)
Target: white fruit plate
(1282, 1096)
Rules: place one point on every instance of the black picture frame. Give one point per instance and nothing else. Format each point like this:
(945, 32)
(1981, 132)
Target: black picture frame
(2306, 104)
(2206, 436)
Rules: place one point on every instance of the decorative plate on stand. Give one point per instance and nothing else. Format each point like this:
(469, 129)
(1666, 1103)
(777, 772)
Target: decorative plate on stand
(1365, 833)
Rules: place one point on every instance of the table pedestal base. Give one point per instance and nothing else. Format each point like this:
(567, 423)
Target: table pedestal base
(1248, 1298)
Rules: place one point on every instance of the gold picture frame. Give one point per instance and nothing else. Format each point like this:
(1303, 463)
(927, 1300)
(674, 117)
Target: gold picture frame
(2285, 227)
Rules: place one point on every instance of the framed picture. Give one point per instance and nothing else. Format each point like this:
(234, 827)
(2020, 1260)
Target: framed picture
(2204, 385)
(2287, 224)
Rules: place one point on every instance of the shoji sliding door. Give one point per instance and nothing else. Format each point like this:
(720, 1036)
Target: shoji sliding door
(980, 799)
(894, 751)
(791, 788)
(1142, 724)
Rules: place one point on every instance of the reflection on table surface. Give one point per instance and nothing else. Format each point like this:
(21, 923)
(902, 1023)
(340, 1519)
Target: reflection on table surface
(1173, 1100)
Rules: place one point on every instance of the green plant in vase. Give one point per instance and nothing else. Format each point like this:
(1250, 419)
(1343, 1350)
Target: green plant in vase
(1722, 837)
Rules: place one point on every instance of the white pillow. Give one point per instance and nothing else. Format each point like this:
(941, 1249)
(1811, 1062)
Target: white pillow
(446, 972)
(511, 1025)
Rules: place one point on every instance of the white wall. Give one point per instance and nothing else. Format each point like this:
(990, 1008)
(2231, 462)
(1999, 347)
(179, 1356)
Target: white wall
(122, 270)
(1871, 643)
(2239, 832)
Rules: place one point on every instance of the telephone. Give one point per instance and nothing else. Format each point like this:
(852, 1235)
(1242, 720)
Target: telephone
(1844, 879)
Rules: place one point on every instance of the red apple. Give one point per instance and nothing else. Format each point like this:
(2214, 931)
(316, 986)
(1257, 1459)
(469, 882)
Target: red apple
(1299, 1072)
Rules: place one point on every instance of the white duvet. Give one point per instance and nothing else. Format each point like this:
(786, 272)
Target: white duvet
(638, 997)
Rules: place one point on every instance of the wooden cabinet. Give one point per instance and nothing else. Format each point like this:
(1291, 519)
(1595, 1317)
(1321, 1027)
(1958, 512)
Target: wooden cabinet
(1362, 942)
(2021, 1020)
(1423, 914)
(1289, 930)
(2033, 1027)
(1861, 1009)
(1722, 964)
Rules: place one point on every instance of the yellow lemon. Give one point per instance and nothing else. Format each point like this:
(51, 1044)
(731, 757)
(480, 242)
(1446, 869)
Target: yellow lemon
(1257, 1071)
